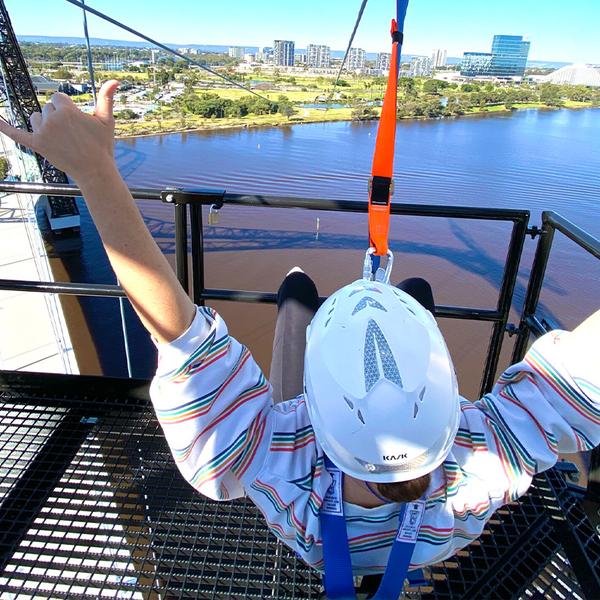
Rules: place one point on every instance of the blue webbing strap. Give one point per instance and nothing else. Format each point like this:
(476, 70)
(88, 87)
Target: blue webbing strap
(404, 544)
(337, 578)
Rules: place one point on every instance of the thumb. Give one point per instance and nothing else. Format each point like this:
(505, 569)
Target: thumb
(18, 135)
(106, 96)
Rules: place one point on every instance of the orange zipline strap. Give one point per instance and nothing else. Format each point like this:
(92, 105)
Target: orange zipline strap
(381, 184)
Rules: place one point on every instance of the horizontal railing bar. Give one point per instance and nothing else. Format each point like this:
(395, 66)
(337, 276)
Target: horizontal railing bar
(66, 288)
(67, 189)
(208, 196)
(582, 238)
(114, 291)
(413, 210)
(449, 312)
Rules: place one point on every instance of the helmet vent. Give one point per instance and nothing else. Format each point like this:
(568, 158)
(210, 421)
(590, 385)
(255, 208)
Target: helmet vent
(422, 393)
(365, 302)
(349, 403)
(416, 411)
(326, 322)
(360, 417)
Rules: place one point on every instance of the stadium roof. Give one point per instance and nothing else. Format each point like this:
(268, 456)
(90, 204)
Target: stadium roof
(575, 75)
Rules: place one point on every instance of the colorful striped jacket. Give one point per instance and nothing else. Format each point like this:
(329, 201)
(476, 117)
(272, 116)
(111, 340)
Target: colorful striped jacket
(228, 439)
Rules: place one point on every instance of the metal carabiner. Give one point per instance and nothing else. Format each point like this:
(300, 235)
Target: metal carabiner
(381, 275)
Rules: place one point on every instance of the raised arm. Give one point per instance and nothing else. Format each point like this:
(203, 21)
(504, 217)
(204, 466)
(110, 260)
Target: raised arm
(82, 145)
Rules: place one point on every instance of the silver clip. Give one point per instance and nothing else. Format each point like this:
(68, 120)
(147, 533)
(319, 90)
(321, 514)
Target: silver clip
(382, 275)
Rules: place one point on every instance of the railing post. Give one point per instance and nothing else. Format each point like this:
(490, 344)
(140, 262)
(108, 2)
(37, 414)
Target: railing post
(181, 245)
(509, 279)
(197, 254)
(534, 287)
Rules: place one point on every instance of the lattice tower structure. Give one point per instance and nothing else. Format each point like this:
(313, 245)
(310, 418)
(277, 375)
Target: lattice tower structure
(22, 102)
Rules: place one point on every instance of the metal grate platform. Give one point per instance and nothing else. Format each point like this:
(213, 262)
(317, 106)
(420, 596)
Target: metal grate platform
(92, 506)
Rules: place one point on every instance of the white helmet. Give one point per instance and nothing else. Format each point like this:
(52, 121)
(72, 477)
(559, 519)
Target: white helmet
(380, 387)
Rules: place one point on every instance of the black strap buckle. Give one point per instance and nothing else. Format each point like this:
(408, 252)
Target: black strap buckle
(398, 36)
(381, 189)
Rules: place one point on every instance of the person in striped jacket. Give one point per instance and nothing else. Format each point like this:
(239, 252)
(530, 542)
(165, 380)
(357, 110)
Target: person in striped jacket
(233, 434)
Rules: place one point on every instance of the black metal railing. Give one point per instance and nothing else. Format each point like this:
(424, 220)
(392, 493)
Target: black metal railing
(188, 208)
(96, 437)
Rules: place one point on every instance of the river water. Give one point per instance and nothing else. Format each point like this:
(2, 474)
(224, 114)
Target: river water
(531, 160)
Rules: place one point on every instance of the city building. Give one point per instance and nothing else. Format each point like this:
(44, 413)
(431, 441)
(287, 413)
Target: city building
(318, 56)
(265, 55)
(43, 85)
(300, 58)
(420, 66)
(283, 53)
(356, 59)
(383, 62)
(508, 58)
(439, 58)
(236, 52)
(476, 64)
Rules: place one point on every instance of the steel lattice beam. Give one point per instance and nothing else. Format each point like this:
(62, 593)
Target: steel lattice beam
(23, 102)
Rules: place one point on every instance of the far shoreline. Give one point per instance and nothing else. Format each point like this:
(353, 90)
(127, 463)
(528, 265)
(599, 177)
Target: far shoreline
(254, 125)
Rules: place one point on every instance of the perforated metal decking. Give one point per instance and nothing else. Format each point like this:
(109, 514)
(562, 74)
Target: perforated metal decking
(92, 506)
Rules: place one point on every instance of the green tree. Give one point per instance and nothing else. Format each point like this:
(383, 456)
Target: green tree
(550, 95)
(434, 86)
(4, 167)
(62, 73)
(127, 114)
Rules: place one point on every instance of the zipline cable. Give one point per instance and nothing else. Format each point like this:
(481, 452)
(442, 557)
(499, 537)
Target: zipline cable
(358, 19)
(93, 83)
(192, 61)
(89, 55)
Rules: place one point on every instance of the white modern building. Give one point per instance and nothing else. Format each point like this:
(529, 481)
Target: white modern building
(283, 53)
(318, 56)
(439, 58)
(236, 52)
(383, 62)
(356, 59)
(420, 66)
(574, 75)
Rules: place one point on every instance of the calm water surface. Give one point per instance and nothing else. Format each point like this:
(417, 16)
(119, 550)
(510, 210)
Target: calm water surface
(529, 159)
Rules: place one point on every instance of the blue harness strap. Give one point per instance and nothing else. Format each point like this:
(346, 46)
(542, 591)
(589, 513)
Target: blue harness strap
(338, 579)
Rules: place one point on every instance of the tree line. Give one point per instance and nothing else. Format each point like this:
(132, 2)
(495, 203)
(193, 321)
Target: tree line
(209, 105)
(435, 98)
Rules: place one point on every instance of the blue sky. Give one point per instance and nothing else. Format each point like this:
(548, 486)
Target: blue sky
(558, 29)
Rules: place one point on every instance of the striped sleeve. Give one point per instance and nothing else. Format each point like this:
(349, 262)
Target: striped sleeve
(213, 403)
(546, 405)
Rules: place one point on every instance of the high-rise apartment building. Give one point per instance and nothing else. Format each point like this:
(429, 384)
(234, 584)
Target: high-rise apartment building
(508, 58)
(318, 56)
(283, 53)
(439, 58)
(356, 59)
(236, 52)
(383, 61)
(420, 66)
